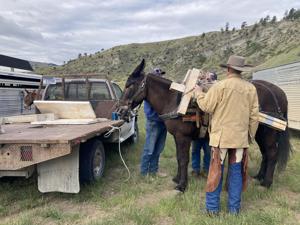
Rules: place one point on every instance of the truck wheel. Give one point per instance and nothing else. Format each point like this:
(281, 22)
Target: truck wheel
(135, 137)
(92, 161)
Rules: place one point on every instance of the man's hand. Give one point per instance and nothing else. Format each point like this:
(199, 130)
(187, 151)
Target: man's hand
(198, 88)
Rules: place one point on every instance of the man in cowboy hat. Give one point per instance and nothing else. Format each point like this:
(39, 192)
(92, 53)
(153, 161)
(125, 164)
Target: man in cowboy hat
(233, 106)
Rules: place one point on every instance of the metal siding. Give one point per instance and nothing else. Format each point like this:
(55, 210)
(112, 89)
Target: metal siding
(287, 77)
(11, 102)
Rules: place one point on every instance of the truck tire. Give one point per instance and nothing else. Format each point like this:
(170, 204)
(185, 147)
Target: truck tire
(91, 161)
(135, 137)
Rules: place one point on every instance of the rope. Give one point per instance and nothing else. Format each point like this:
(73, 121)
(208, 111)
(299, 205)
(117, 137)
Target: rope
(119, 146)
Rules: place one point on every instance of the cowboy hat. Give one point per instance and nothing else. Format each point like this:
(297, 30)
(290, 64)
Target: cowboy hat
(237, 63)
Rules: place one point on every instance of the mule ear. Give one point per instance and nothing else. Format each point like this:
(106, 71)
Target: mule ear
(139, 69)
(26, 91)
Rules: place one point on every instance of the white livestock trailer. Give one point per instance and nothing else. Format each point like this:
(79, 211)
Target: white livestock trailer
(15, 76)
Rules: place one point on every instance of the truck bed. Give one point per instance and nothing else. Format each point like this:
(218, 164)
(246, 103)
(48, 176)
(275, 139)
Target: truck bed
(53, 134)
(24, 145)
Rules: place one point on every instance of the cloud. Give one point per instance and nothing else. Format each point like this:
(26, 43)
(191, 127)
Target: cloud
(56, 31)
(9, 28)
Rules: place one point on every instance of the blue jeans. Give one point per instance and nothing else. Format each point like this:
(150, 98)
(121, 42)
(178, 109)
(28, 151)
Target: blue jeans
(235, 186)
(156, 133)
(196, 154)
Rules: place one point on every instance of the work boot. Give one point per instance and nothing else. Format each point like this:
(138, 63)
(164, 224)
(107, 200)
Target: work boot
(195, 173)
(203, 173)
(161, 174)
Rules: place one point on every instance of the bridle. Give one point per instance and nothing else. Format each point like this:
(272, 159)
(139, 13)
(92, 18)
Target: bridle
(141, 90)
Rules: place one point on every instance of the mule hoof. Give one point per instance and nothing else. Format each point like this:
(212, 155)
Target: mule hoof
(266, 184)
(258, 177)
(175, 180)
(180, 188)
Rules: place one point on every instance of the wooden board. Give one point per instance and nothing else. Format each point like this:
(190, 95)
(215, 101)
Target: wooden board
(29, 118)
(67, 109)
(190, 84)
(186, 76)
(27, 133)
(177, 87)
(272, 121)
(70, 121)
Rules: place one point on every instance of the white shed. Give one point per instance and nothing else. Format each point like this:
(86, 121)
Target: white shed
(287, 77)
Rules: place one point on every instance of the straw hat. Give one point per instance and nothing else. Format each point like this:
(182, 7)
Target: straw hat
(237, 63)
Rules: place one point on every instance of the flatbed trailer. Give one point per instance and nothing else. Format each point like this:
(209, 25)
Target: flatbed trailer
(62, 155)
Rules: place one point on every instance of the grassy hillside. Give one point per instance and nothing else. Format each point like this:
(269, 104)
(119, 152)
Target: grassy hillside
(263, 45)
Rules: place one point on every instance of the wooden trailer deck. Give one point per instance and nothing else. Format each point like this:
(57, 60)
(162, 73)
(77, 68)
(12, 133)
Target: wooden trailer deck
(24, 145)
(53, 134)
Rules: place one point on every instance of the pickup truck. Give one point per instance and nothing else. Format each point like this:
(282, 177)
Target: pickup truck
(103, 96)
(66, 155)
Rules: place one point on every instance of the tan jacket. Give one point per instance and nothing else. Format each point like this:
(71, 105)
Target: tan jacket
(233, 106)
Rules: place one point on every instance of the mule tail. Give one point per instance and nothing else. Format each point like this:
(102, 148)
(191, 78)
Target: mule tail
(284, 148)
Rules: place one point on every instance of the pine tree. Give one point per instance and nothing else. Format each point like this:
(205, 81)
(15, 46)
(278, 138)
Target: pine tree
(244, 24)
(274, 19)
(227, 27)
(291, 14)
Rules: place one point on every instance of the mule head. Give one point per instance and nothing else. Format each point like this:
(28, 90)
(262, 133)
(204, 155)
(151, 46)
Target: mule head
(134, 92)
(29, 98)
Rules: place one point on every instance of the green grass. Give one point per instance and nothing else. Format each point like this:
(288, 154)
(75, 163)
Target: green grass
(113, 201)
(292, 55)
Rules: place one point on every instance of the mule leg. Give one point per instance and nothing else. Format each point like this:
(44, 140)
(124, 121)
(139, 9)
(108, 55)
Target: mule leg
(176, 179)
(271, 155)
(260, 139)
(183, 147)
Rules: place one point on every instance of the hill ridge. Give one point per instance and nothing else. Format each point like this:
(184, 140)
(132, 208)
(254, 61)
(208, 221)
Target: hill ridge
(264, 45)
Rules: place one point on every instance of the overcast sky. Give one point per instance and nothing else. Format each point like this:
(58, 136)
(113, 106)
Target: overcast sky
(57, 30)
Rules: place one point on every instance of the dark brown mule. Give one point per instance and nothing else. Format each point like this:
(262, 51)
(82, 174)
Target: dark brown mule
(156, 91)
(32, 95)
(274, 145)
(29, 98)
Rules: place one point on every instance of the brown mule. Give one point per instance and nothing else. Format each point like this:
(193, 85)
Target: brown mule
(274, 144)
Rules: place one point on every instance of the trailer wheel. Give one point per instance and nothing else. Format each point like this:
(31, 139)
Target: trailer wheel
(135, 137)
(92, 161)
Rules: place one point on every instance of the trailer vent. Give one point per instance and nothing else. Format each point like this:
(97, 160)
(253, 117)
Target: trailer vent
(26, 153)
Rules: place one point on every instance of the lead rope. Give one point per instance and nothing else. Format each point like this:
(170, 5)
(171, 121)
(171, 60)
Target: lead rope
(119, 146)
